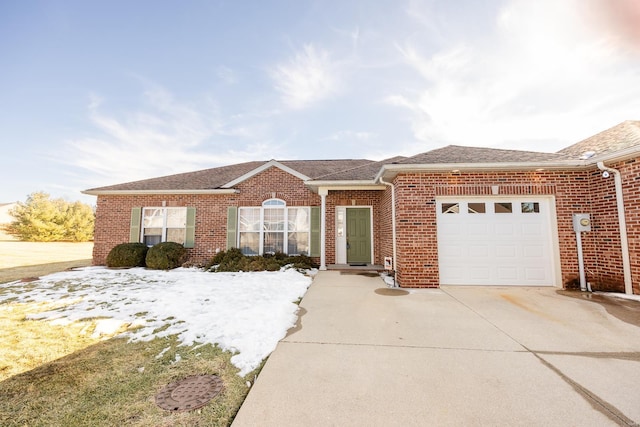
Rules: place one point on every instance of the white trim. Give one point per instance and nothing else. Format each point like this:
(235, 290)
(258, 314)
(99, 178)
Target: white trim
(318, 186)
(150, 192)
(389, 171)
(323, 230)
(264, 167)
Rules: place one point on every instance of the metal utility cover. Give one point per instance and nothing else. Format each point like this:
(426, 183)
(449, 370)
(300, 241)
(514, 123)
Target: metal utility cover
(189, 393)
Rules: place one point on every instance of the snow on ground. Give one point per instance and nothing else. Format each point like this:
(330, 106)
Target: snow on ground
(247, 313)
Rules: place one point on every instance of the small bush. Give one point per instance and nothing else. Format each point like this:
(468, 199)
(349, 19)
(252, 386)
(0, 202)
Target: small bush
(127, 255)
(234, 260)
(166, 256)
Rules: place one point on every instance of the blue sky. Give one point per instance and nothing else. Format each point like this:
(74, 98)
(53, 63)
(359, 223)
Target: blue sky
(97, 93)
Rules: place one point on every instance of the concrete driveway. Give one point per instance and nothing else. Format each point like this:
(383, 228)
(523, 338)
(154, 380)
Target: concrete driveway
(365, 355)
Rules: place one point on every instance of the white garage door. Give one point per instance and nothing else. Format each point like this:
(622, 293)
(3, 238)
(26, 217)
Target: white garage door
(495, 241)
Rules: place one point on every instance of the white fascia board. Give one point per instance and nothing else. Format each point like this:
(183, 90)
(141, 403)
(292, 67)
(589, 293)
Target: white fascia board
(392, 170)
(345, 185)
(617, 156)
(264, 167)
(144, 192)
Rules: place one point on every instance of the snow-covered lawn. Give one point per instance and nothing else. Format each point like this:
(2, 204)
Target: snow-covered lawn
(247, 313)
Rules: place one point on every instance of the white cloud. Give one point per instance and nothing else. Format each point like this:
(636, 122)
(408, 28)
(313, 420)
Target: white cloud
(544, 75)
(163, 138)
(350, 136)
(310, 76)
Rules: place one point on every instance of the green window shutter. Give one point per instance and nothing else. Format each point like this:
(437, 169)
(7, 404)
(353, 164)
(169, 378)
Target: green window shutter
(134, 230)
(232, 226)
(190, 237)
(315, 231)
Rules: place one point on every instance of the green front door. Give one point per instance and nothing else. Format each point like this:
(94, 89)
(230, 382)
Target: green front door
(358, 235)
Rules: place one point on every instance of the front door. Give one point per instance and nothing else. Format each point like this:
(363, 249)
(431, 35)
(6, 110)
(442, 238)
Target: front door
(358, 235)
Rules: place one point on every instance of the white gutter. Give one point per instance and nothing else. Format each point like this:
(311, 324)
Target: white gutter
(479, 167)
(151, 192)
(393, 224)
(624, 241)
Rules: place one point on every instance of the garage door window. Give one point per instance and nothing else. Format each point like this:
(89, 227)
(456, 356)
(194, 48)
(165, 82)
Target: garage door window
(476, 208)
(503, 207)
(530, 207)
(451, 208)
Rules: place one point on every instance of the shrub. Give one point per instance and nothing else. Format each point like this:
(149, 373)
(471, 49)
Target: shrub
(127, 255)
(234, 260)
(166, 256)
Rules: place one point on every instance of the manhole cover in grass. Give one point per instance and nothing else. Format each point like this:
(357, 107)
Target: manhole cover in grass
(391, 292)
(189, 393)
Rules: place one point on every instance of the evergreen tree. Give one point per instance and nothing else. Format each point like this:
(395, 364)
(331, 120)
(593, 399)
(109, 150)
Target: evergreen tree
(42, 219)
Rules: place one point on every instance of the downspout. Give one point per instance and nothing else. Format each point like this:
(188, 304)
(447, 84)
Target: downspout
(624, 241)
(393, 224)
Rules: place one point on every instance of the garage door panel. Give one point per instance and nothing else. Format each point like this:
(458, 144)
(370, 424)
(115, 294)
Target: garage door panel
(533, 251)
(507, 274)
(480, 273)
(495, 241)
(504, 229)
(535, 274)
(505, 251)
(529, 229)
(479, 251)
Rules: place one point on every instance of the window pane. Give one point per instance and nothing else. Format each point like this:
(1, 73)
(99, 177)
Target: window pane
(274, 219)
(273, 242)
(450, 208)
(530, 207)
(176, 218)
(503, 207)
(153, 218)
(298, 219)
(176, 235)
(249, 219)
(273, 202)
(152, 240)
(476, 208)
(298, 244)
(250, 243)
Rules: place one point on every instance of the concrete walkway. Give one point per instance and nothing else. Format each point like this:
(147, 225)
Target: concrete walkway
(452, 356)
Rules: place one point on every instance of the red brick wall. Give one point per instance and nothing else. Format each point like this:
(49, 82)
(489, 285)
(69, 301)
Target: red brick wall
(113, 213)
(630, 171)
(416, 215)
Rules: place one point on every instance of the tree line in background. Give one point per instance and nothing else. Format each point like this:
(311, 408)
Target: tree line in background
(42, 219)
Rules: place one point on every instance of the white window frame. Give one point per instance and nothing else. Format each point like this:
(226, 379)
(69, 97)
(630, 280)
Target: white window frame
(274, 204)
(164, 210)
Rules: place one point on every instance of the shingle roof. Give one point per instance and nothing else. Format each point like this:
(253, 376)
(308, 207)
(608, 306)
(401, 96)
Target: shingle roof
(363, 172)
(214, 178)
(459, 154)
(619, 137)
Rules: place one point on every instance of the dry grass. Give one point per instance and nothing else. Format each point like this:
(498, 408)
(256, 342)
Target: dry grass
(27, 344)
(34, 259)
(18, 254)
(114, 383)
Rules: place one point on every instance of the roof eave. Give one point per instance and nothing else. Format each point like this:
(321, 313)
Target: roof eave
(390, 171)
(99, 192)
(617, 156)
(362, 184)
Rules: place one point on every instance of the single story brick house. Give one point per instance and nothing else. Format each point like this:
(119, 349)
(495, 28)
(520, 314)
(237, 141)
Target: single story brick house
(451, 216)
